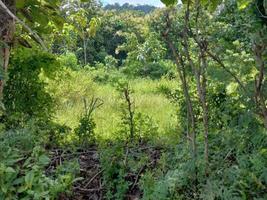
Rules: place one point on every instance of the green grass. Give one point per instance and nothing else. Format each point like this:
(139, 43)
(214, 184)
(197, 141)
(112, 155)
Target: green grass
(71, 89)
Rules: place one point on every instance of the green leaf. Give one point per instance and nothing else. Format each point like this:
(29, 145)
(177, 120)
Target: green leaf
(10, 170)
(20, 4)
(39, 16)
(242, 4)
(214, 4)
(52, 3)
(4, 189)
(169, 2)
(93, 26)
(18, 181)
(29, 179)
(58, 21)
(44, 160)
(22, 189)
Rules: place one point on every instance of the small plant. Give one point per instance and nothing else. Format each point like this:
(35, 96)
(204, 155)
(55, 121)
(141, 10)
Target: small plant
(128, 110)
(85, 130)
(115, 173)
(145, 127)
(135, 125)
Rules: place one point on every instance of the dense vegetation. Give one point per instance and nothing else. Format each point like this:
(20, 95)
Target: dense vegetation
(133, 102)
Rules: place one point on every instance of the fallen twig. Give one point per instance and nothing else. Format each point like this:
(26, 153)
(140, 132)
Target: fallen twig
(88, 190)
(90, 181)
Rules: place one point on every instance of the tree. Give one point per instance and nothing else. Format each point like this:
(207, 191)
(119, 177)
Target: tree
(197, 62)
(33, 16)
(83, 20)
(193, 34)
(84, 28)
(257, 13)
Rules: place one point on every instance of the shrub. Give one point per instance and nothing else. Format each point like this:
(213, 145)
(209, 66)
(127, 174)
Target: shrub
(105, 75)
(85, 130)
(25, 96)
(134, 125)
(23, 164)
(111, 62)
(112, 160)
(69, 60)
(155, 70)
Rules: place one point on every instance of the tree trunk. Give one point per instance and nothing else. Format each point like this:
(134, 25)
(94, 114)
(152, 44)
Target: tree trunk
(85, 50)
(180, 65)
(5, 53)
(7, 29)
(200, 75)
(260, 100)
(191, 130)
(202, 90)
(181, 71)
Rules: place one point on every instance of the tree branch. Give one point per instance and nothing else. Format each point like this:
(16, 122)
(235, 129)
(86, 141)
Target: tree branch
(215, 58)
(35, 35)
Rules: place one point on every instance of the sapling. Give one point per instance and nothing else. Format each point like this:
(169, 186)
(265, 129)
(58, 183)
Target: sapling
(85, 130)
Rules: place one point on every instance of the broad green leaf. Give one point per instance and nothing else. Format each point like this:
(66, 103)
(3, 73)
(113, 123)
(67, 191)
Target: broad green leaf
(4, 189)
(93, 26)
(44, 160)
(10, 170)
(58, 21)
(29, 179)
(18, 181)
(22, 189)
(39, 16)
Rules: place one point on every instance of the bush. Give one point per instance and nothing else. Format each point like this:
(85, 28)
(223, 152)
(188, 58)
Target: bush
(69, 60)
(111, 62)
(105, 75)
(25, 96)
(134, 126)
(156, 70)
(23, 164)
(122, 164)
(86, 128)
(153, 70)
(112, 160)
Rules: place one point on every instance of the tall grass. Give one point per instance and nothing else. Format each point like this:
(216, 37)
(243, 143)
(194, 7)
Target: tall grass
(73, 86)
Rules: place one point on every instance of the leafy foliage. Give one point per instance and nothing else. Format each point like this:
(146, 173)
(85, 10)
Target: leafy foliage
(85, 130)
(22, 168)
(31, 100)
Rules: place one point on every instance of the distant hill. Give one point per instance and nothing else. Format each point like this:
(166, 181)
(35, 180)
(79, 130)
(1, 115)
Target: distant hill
(143, 8)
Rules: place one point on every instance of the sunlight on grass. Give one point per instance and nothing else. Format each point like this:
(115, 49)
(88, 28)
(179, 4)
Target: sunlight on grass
(146, 97)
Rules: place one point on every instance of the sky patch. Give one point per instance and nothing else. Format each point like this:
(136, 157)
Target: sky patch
(134, 2)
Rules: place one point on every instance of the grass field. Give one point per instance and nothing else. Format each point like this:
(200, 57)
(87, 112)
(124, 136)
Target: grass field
(72, 87)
